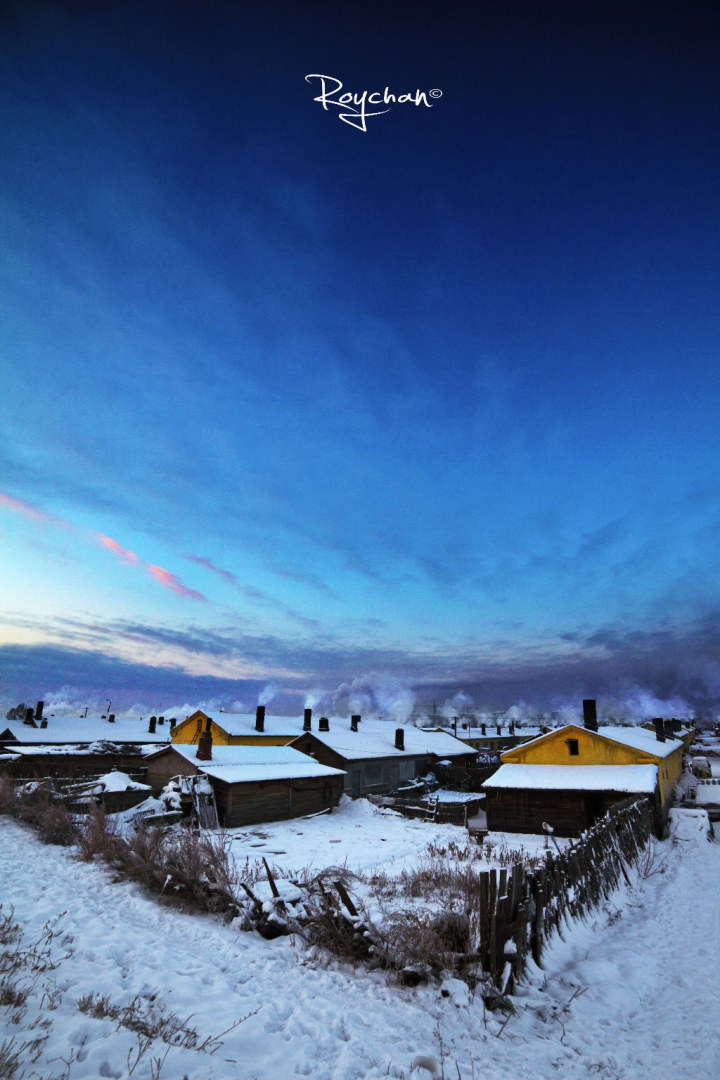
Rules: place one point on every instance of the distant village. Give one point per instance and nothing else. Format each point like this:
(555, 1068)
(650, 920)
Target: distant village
(235, 769)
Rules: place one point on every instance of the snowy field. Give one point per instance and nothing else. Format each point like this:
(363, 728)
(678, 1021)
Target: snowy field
(630, 994)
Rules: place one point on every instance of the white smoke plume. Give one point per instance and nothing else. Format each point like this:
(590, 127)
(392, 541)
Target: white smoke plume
(375, 695)
(267, 693)
(71, 701)
(460, 703)
(638, 705)
(315, 698)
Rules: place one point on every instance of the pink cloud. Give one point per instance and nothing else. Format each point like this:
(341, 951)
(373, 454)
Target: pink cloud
(123, 554)
(202, 561)
(19, 506)
(171, 581)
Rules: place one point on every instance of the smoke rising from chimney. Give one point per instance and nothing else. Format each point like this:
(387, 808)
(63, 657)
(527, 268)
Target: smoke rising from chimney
(267, 693)
(376, 695)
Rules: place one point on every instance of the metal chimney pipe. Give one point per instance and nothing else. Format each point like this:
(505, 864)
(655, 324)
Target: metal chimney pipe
(659, 732)
(260, 718)
(307, 720)
(590, 714)
(399, 739)
(39, 710)
(29, 718)
(151, 725)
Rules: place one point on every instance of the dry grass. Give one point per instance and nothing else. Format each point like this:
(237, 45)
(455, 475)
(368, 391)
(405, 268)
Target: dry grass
(37, 806)
(194, 867)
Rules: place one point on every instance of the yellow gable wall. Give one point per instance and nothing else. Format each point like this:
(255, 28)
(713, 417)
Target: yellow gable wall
(189, 730)
(594, 749)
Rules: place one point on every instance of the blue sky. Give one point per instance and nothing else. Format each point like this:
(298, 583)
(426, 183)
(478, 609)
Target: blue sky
(432, 404)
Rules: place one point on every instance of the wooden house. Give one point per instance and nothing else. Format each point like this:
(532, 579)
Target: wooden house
(377, 756)
(67, 747)
(569, 777)
(524, 798)
(251, 784)
(495, 738)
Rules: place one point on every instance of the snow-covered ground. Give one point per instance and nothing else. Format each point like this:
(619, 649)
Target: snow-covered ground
(630, 994)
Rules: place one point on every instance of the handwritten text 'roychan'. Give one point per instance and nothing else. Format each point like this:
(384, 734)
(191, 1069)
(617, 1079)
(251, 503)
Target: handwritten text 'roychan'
(353, 106)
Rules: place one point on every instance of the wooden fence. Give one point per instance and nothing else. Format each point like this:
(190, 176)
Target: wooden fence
(471, 779)
(518, 909)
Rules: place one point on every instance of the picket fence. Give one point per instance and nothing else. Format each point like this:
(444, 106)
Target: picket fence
(519, 908)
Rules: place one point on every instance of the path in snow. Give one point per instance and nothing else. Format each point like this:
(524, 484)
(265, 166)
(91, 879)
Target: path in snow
(643, 974)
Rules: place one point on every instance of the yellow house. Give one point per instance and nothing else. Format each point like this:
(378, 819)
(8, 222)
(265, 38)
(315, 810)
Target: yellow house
(239, 729)
(576, 745)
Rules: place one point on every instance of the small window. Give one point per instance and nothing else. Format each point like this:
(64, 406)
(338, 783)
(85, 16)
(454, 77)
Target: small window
(373, 774)
(572, 745)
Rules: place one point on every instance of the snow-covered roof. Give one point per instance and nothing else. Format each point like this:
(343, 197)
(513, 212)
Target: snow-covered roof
(244, 764)
(630, 778)
(102, 746)
(707, 793)
(81, 729)
(376, 739)
(640, 738)
(111, 782)
(237, 724)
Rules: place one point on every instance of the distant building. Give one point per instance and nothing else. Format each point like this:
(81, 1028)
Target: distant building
(377, 755)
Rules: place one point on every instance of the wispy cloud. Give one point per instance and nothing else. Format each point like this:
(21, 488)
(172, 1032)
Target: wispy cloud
(200, 560)
(19, 506)
(123, 554)
(164, 577)
(173, 582)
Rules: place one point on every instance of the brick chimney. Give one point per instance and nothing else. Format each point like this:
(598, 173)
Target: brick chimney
(39, 712)
(399, 739)
(590, 714)
(354, 721)
(324, 724)
(307, 720)
(151, 725)
(173, 722)
(111, 718)
(659, 729)
(29, 718)
(204, 750)
(260, 718)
